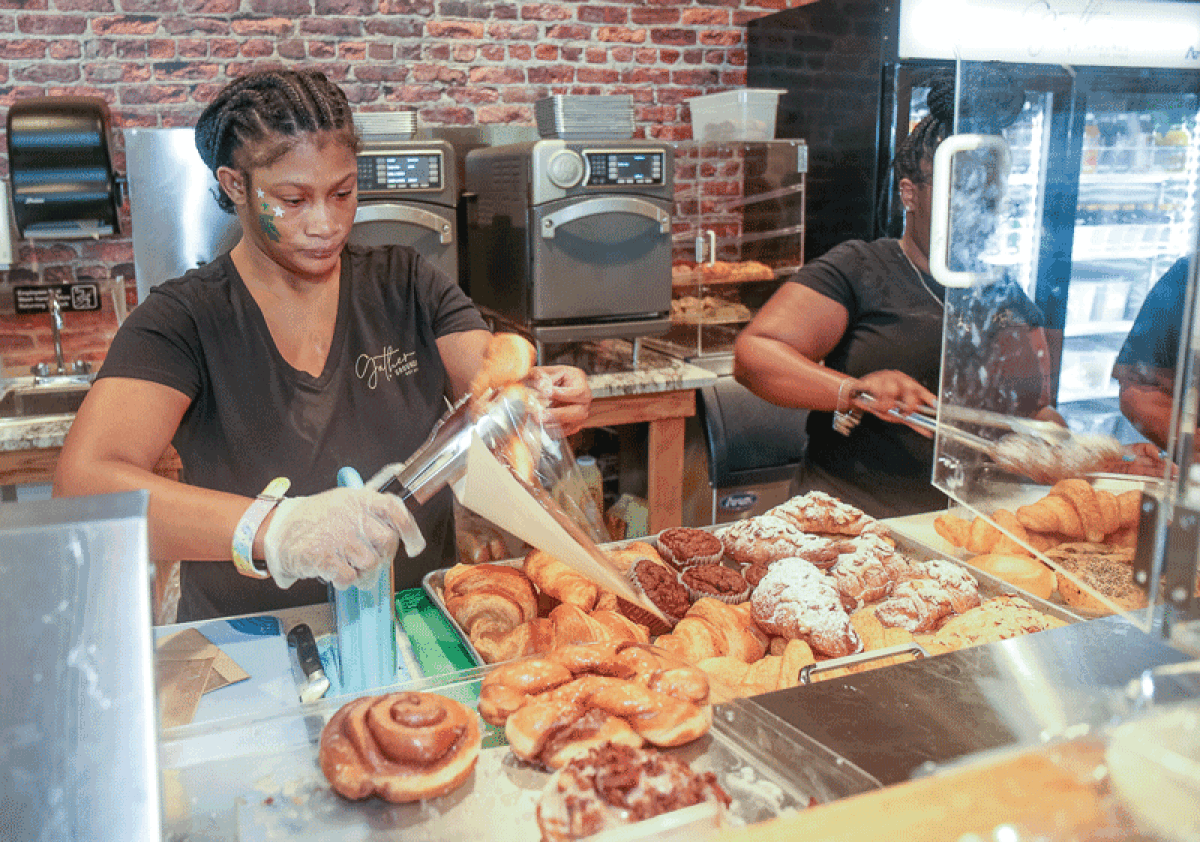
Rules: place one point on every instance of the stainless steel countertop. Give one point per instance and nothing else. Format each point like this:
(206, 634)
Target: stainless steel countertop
(1056, 683)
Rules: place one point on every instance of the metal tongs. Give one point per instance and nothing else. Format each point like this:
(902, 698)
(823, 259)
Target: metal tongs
(1041, 450)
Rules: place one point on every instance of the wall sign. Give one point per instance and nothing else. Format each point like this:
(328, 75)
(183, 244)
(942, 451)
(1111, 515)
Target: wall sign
(77, 297)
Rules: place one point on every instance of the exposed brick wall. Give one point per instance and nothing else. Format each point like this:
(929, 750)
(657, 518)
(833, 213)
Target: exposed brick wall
(156, 62)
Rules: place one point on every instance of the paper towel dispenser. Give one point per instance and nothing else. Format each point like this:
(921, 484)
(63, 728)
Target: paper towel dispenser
(63, 184)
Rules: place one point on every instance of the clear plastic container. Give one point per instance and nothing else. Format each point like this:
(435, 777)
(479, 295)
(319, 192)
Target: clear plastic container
(745, 114)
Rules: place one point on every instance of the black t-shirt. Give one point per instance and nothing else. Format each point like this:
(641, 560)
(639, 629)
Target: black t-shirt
(895, 321)
(254, 417)
(1151, 350)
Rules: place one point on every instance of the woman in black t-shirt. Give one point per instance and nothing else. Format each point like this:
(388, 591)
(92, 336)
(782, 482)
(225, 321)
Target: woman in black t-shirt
(291, 355)
(867, 318)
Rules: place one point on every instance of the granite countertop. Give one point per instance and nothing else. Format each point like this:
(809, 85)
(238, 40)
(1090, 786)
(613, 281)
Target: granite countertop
(609, 364)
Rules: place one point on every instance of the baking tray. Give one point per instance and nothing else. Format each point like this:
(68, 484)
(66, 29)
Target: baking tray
(258, 778)
(989, 586)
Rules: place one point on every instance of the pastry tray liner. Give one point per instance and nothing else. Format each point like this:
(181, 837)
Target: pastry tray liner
(258, 778)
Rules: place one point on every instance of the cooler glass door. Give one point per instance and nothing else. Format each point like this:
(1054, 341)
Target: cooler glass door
(1028, 264)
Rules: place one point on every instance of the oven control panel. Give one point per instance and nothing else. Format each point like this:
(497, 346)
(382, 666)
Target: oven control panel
(401, 171)
(611, 167)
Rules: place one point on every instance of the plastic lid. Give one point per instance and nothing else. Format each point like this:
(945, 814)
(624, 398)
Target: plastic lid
(585, 460)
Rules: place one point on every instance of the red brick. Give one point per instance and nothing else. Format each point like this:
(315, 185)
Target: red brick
(474, 95)
(464, 53)
(24, 5)
(343, 27)
(517, 93)
(153, 95)
(602, 14)
(705, 17)
(546, 52)
(52, 24)
(222, 48)
(295, 8)
(597, 75)
(381, 72)
(161, 48)
(571, 54)
(410, 94)
(353, 51)
(22, 50)
(177, 119)
(322, 50)
(504, 114)
(47, 73)
(63, 50)
(621, 55)
(496, 76)
(257, 48)
(551, 75)
(726, 38)
(195, 26)
(673, 37)
(492, 52)
(357, 8)
(439, 73)
(275, 27)
(125, 25)
(186, 71)
(546, 11)
(395, 28)
(596, 55)
(210, 7)
(446, 116)
(358, 94)
(291, 48)
(192, 47)
(654, 17)
(417, 8)
(656, 77)
(509, 31)
(455, 29)
(621, 35)
(568, 32)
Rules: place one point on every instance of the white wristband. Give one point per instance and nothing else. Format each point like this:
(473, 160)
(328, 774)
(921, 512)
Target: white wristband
(242, 550)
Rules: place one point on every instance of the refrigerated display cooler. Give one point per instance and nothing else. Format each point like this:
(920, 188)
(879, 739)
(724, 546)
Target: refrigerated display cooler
(1101, 198)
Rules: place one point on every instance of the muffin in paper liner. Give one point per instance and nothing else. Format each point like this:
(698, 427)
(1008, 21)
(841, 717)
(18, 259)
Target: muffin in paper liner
(684, 547)
(661, 586)
(716, 581)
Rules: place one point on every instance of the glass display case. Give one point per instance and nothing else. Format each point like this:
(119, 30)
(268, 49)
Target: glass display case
(1118, 521)
(738, 233)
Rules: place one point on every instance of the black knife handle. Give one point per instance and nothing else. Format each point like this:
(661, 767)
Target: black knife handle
(301, 637)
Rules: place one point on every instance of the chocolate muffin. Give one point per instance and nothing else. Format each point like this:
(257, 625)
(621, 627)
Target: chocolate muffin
(716, 581)
(662, 587)
(685, 547)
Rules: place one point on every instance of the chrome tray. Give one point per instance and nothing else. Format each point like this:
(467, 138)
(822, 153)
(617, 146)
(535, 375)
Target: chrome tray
(258, 777)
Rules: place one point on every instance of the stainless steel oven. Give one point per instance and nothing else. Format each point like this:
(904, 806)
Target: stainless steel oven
(571, 239)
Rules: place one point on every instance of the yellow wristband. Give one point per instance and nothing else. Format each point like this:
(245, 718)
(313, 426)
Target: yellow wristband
(247, 528)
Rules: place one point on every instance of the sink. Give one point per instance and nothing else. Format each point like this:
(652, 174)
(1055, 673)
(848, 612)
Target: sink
(28, 401)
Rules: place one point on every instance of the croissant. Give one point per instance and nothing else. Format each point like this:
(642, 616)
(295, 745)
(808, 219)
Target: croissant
(737, 679)
(1075, 509)
(712, 628)
(560, 581)
(488, 598)
(566, 625)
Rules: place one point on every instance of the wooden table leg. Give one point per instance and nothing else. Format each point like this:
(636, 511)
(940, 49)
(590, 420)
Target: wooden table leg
(665, 473)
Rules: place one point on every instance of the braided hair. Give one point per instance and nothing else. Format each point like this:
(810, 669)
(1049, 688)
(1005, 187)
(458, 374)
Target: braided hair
(256, 119)
(925, 137)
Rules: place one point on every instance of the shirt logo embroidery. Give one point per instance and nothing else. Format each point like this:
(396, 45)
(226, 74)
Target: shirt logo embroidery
(390, 364)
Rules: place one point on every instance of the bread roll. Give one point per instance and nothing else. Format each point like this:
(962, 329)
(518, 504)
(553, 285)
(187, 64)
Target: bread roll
(1021, 571)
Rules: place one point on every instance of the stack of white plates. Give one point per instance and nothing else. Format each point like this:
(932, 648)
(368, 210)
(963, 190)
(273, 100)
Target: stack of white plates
(569, 117)
(386, 125)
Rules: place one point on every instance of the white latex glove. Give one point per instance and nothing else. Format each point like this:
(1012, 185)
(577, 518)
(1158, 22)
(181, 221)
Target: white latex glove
(343, 536)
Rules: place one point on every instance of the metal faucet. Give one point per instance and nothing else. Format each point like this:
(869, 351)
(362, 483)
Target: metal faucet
(56, 326)
(80, 370)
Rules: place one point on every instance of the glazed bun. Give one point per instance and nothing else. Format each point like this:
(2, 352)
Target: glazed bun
(1022, 571)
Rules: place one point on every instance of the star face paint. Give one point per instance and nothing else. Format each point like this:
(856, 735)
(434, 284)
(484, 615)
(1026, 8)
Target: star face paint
(266, 220)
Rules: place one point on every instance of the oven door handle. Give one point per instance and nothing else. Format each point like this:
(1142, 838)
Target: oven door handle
(606, 204)
(390, 212)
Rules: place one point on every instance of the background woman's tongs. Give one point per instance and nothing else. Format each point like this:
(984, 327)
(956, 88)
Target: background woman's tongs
(925, 417)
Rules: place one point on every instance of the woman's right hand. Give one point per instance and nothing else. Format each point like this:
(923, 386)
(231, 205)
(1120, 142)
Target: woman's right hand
(891, 389)
(343, 536)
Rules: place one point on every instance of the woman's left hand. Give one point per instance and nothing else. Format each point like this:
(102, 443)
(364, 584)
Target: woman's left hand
(566, 389)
